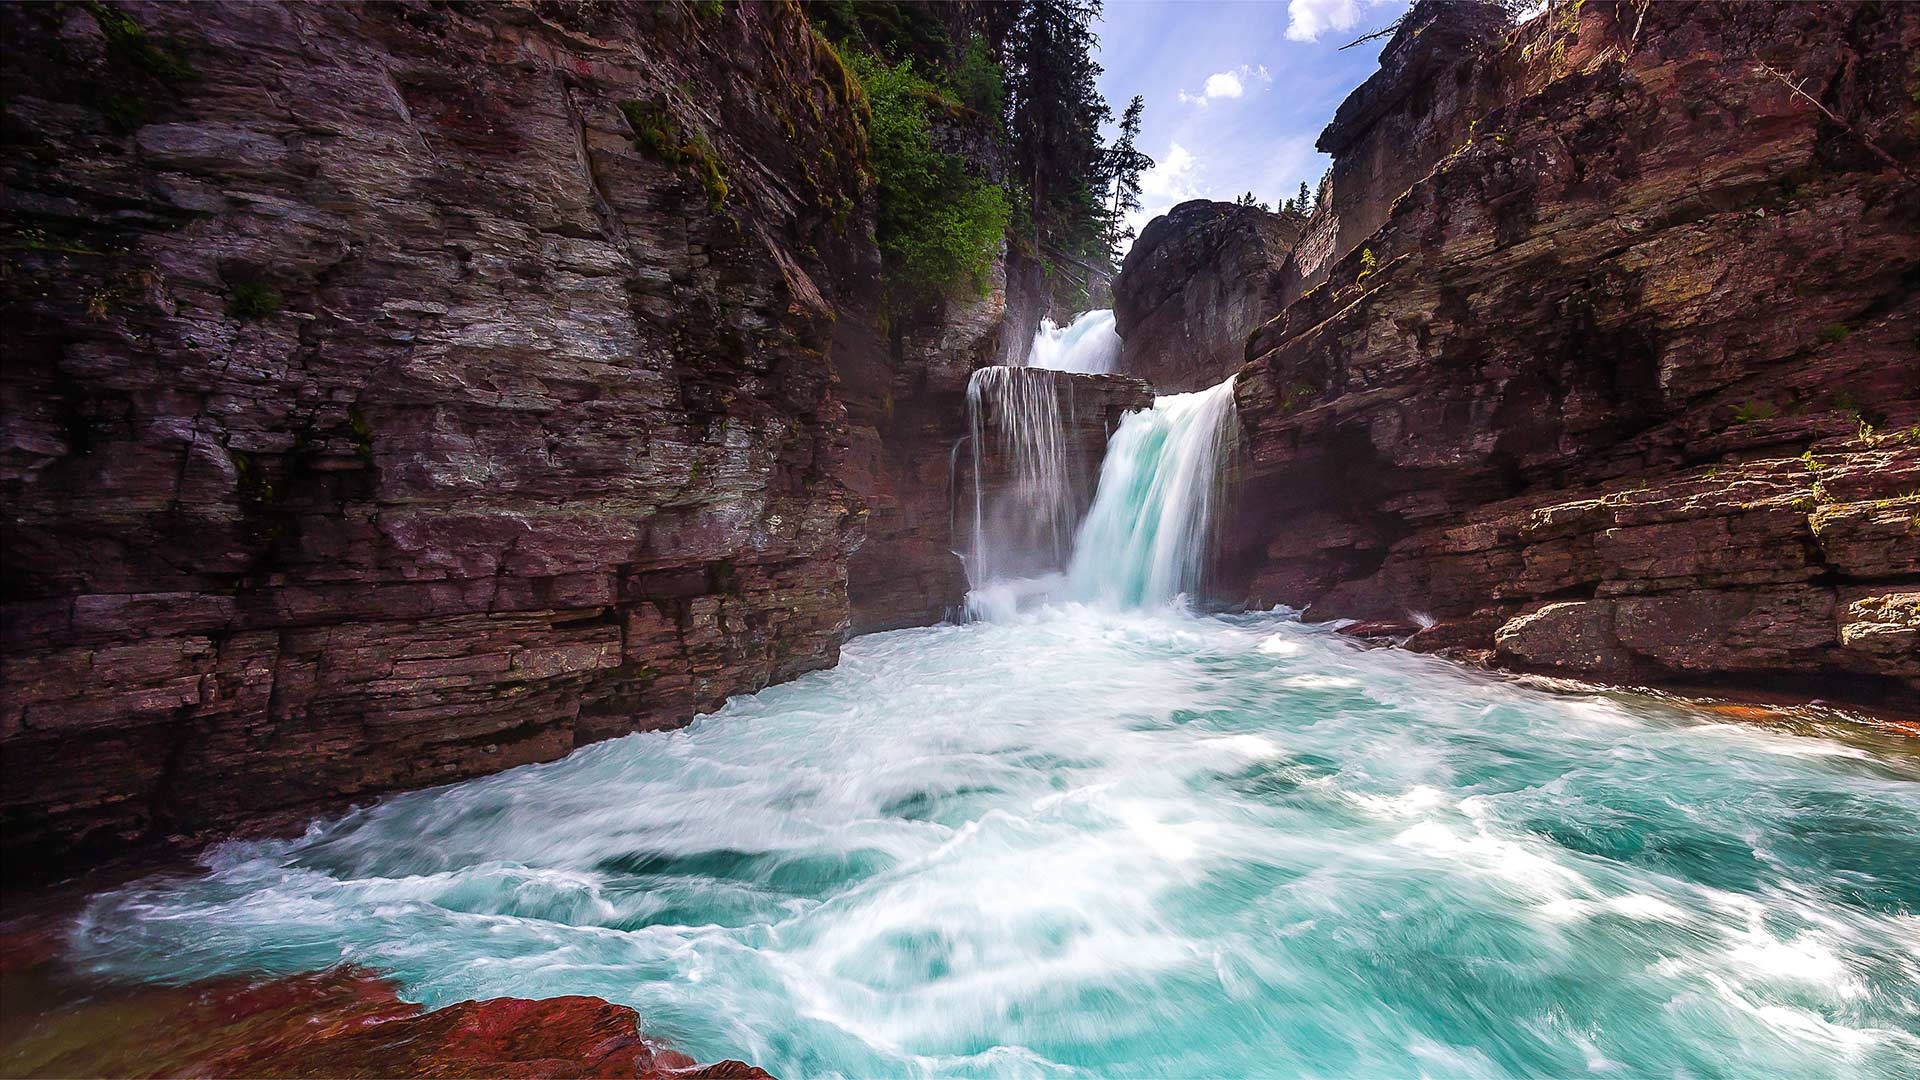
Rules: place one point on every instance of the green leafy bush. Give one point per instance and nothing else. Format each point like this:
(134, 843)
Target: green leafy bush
(939, 227)
(978, 80)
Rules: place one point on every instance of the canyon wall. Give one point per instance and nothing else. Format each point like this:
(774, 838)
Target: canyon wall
(1626, 386)
(398, 394)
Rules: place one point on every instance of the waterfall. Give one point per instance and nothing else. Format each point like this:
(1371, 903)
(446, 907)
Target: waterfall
(1149, 535)
(1088, 344)
(1025, 501)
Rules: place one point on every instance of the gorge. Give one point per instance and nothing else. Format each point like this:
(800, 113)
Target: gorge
(1327, 659)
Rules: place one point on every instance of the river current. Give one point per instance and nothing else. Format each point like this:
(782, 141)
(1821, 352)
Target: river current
(1083, 842)
(1096, 833)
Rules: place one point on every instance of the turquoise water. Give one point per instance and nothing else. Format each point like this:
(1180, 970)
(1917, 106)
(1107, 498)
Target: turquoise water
(1146, 843)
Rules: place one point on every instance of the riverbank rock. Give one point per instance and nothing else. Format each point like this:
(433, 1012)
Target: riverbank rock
(341, 1023)
(1625, 386)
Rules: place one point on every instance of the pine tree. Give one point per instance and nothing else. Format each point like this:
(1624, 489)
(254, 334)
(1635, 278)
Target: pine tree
(1056, 111)
(1124, 166)
(1305, 199)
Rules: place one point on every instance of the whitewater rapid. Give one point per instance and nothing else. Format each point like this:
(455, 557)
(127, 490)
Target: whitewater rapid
(1089, 842)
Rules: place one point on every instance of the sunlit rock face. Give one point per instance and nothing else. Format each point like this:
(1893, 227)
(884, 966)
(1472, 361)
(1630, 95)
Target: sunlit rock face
(1197, 279)
(1438, 73)
(1626, 386)
(381, 408)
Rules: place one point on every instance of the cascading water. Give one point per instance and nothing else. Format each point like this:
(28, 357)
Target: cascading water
(1148, 537)
(1088, 344)
(1025, 511)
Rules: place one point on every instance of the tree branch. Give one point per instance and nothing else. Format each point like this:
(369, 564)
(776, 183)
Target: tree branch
(1798, 91)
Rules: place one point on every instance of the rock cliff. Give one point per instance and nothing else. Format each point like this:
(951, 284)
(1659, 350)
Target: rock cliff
(1195, 282)
(1626, 386)
(403, 393)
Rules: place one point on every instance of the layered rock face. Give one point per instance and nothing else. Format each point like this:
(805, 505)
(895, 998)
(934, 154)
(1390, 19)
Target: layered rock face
(1194, 283)
(1626, 386)
(1437, 74)
(397, 394)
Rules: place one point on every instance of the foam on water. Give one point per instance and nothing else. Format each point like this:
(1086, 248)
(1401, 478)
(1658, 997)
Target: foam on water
(1081, 841)
(1086, 344)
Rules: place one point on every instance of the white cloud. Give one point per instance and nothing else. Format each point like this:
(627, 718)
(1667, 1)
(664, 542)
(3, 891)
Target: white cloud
(1175, 177)
(1308, 19)
(1227, 84)
(1172, 178)
(1224, 84)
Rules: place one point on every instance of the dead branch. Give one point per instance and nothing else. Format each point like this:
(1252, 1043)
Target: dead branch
(1799, 91)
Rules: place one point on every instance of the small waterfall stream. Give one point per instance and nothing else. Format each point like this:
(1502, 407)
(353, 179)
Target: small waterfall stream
(1149, 535)
(1023, 520)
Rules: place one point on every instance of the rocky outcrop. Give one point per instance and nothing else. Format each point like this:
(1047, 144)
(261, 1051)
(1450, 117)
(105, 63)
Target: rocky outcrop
(401, 393)
(1625, 387)
(1438, 73)
(340, 1023)
(1198, 279)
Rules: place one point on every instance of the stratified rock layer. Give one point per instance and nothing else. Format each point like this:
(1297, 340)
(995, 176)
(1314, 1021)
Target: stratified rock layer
(1626, 386)
(1195, 282)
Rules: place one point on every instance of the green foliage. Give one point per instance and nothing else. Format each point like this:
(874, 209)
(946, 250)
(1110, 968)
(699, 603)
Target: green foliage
(978, 80)
(1833, 332)
(1755, 410)
(939, 227)
(252, 299)
(658, 134)
(709, 9)
(1367, 264)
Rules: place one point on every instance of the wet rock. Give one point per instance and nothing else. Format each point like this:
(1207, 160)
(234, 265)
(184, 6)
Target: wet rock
(1379, 628)
(341, 1023)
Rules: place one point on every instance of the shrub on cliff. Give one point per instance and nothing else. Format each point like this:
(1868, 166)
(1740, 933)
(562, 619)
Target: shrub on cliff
(939, 227)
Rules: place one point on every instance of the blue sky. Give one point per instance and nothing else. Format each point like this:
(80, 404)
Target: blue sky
(1236, 91)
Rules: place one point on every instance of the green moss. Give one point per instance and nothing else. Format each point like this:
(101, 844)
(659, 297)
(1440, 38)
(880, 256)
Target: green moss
(135, 57)
(362, 433)
(1834, 332)
(252, 299)
(659, 134)
(709, 9)
(1294, 393)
